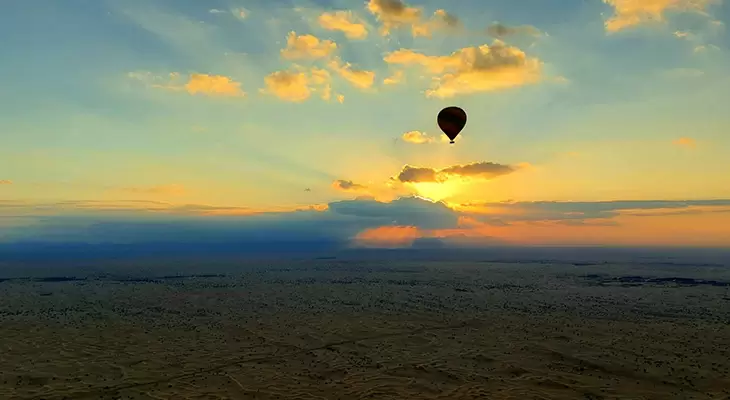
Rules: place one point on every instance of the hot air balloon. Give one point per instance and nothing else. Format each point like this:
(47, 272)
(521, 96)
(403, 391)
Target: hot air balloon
(451, 120)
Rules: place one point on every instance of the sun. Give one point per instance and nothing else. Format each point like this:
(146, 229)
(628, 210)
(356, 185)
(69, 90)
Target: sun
(436, 191)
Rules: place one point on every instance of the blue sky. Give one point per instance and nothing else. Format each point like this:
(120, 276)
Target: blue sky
(601, 105)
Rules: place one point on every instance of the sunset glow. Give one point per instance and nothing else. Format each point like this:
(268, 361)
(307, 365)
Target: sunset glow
(597, 122)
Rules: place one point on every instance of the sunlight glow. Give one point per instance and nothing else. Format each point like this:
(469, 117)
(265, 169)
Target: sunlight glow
(437, 191)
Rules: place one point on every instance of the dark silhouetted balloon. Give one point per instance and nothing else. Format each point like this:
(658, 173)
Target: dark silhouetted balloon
(451, 120)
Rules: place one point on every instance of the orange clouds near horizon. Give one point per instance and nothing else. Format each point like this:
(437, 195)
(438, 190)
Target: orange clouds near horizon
(690, 230)
(388, 236)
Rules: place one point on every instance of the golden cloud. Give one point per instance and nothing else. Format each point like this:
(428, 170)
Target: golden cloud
(361, 79)
(307, 46)
(6, 182)
(388, 236)
(417, 137)
(213, 85)
(288, 86)
(345, 22)
(298, 85)
(629, 13)
(209, 85)
(474, 69)
(394, 79)
(394, 14)
(479, 170)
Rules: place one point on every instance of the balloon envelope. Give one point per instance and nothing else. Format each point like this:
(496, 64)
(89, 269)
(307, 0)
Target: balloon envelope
(452, 120)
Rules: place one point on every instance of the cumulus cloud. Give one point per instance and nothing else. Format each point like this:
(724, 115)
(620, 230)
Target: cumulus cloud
(405, 211)
(685, 142)
(348, 186)
(395, 14)
(473, 69)
(418, 174)
(196, 83)
(213, 85)
(307, 46)
(447, 19)
(345, 22)
(288, 86)
(6, 182)
(394, 79)
(480, 170)
(297, 85)
(417, 137)
(500, 31)
(361, 79)
(630, 13)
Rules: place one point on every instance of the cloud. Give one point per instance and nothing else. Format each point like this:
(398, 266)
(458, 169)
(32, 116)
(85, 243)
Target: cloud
(360, 79)
(685, 142)
(594, 212)
(288, 86)
(388, 237)
(348, 186)
(473, 69)
(440, 21)
(480, 170)
(195, 83)
(240, 13)
(630, 13)
(500, 31)
(394, 79)
(297, 85)
(486, 170)
(394, 14)
(155, 222)
(417, 137)
(443, 18)
(164, 190)
(405, 211)
(213, 85)
(400, 223)
(307, 46)
(6, 182)
(344, 21)
(418, 174)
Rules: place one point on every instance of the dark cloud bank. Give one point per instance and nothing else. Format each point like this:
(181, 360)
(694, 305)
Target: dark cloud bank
(74, 229)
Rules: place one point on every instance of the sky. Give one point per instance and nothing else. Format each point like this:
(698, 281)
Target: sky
(591, 122)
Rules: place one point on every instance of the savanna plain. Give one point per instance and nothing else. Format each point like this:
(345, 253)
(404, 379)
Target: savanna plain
(366, 326)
